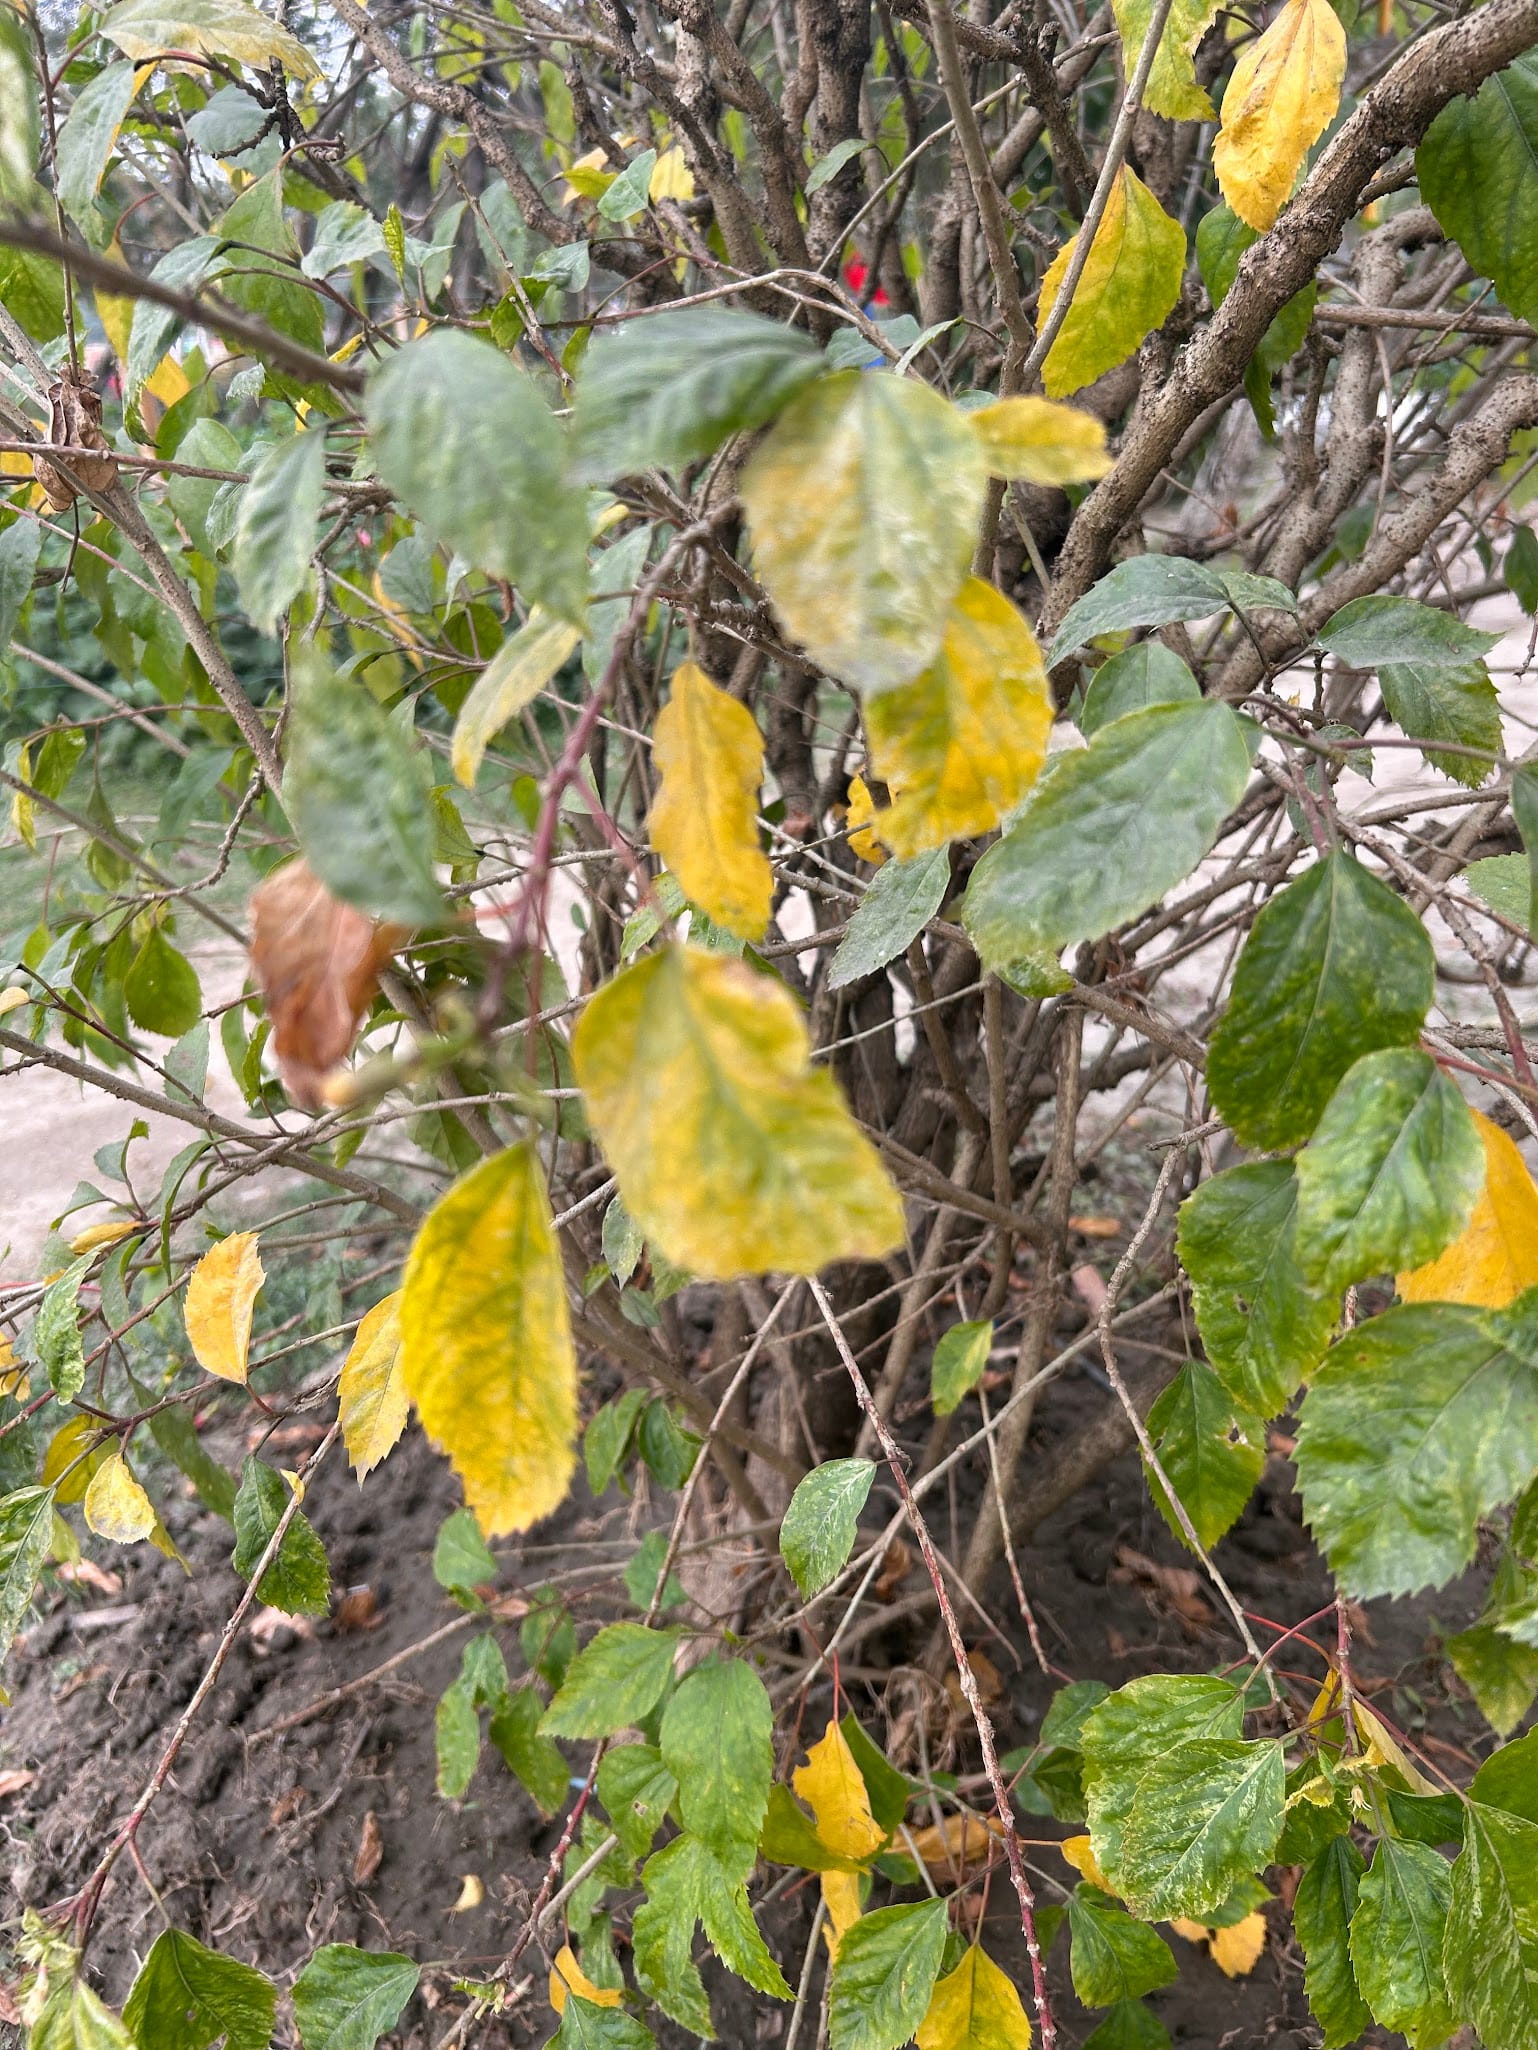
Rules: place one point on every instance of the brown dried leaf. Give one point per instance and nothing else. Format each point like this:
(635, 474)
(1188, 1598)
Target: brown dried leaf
(370, 1853)
(74, 421)
(962, 1841)
(358, 1610)
(1173, 1589)
(13, 1781)
(895, 1568)
(318, 963)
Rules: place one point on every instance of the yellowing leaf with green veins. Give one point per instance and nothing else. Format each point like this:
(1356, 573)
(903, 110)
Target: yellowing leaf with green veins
(486, 1352)
(710, 756)
(567, 1977)
(1282, 96)
(833, 1787)
(372, 1395)
(1126, 290)
(1495, 1257)
(734, 1154)
(1172, 89)
(1041, 441)
(513, 678)
(116, 1507)
(964, 742)
(145, 29)
(863, 504)
(220, 1298)
(976, 2007)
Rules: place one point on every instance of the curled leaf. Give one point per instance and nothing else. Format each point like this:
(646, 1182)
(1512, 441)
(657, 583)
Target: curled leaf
(318, 962)
(220, 1298)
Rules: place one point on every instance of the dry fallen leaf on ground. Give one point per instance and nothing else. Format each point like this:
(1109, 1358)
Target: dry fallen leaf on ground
(370, 1852)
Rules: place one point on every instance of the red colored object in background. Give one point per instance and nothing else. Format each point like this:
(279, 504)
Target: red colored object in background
(855, 275)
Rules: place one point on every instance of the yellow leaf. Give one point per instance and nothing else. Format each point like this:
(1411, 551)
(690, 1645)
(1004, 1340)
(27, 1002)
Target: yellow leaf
(145, 29)
(733, 1153)
(23, 810)
(833, 1787)
(513, 678)
(1193, 1932)
(966, 740)
(372, 1394)
(588, 177)
(710, 756)
(116, 1506)
(72, 1442)
(961, 1840)
(107, 1234)
(14, 1377)
(671, 177)
(841, 1897)
(863, 504)
(1384, 1749)
(220, 1299)
(1172, 89)
(1041, 441)
(1077, 1850)
(486, 1352)
(976, 2007)
(1126, 289)
(1495, 1257)
(13, 998)
(1282, 96)
(1237, 1949)
(859, 824)
(471, 1894)
(567, 1976)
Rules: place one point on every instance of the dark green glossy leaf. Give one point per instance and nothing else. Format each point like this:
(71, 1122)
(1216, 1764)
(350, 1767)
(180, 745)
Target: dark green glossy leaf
(346, 1999)
(1447, 702)
(161, 988)
(1157, 590)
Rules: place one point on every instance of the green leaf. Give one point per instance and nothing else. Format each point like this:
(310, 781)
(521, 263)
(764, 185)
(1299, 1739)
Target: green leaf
(1336, 966)
(685, 1885)
(902, 898)
(56, 1342)
(822, 1520)
(863, 504)
(1322, 1911)
(1392, 1172)
(1206, 1814)
(1129, 2026)
(1128, 1733)
(1381, 628)
(346, 1999)
(1440, 701)
(1157, 590)
(185, 1997)
(276, 526)
(344, 235)
(26, 1533)
(1477, 167)
(32, 288)
(145, 29)
(1149, 794)
(74, 2018)
(19, 124)
(1140, 676)
(1505, 883)
(1418, 1423)
(1213, 1451)
(717, 1740)
(627, 195)
(87, 139)
(161, 988)
(1172, 89)
(587, 2026)
(1520, 569)
(260, 269)
(1396, 1942)
(298, 1581)
(612, 1682)
(636, 1790)
(456, 1740)
(607, 1437)
(534, 1761)
(960, 1361)
(788, 1837)
(1490, 1946)
(461, 1560)
(887, 1790)
(1128, 287)
(828, 167)
(1264, 1329)
(1524, 809)
(1221, 241)
(1501, 1675)
(20, 545)
(357, 791)
(1113, 1957)
(1068, 1711)
(434, 411)
(884, 1975)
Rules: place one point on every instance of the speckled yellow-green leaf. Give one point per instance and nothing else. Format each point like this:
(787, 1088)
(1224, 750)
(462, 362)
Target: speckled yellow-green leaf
(964, 742)
(1125, 291)
(734, 1154)
(863, 505)
(1282, 96)
(710, 756)
(513, 678)
(1172, 89)
(486, 1352)
(1041, 441)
